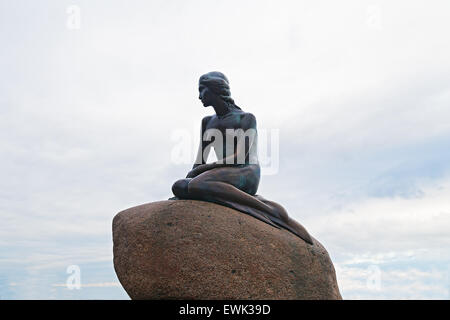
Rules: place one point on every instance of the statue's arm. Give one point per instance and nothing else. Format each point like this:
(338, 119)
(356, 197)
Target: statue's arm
(203, 148)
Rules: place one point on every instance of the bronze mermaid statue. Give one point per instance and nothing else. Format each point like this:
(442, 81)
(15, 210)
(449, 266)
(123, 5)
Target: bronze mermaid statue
(233, 179)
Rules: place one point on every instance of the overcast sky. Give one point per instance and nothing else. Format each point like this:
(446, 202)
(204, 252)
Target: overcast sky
(94, 94)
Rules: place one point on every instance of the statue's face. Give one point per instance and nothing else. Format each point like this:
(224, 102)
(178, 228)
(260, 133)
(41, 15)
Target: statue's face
(207, 97)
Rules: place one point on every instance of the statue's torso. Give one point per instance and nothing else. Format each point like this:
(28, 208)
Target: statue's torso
(233, 122)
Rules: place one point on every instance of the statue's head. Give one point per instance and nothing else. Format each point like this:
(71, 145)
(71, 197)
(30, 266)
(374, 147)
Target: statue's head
(213, 87)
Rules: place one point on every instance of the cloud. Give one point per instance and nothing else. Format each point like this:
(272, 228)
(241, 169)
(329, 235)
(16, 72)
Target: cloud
(409, 283)
(406, 238)
(391, 224)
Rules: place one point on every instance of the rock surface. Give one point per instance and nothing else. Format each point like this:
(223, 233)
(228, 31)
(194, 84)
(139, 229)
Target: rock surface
(187, 249)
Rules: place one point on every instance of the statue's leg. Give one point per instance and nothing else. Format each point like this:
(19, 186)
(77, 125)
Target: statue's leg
(222, 185)
(284, 217)
(205, 187)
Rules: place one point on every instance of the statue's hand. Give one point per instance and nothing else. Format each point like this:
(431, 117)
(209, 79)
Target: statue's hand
(191, 174)
(197, 170)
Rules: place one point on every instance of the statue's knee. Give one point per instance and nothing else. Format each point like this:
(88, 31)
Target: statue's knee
(180, 187)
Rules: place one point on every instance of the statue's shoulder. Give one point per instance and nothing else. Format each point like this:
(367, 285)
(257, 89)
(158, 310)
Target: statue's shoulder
(249, 119)
(206, 119)
(248, 115)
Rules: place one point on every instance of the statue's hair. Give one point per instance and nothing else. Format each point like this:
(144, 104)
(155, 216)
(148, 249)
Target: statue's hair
(218, 83)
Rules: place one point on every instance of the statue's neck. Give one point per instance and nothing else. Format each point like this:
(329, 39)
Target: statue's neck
(222, 108)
